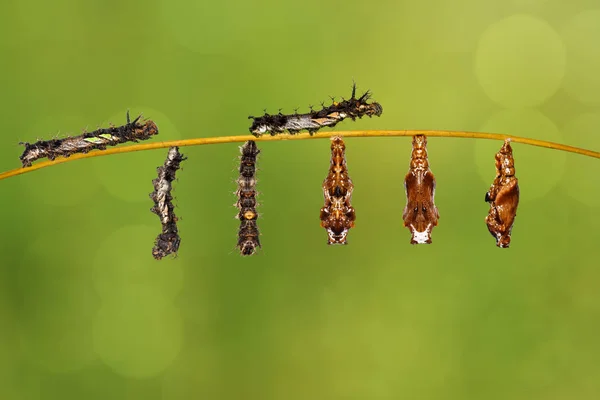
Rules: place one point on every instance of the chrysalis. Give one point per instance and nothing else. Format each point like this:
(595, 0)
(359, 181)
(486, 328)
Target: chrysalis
(133, 131)
(420, 214)
(337, 216)
(503, 197)
(248, 233)
(315, 120)
(168, 240)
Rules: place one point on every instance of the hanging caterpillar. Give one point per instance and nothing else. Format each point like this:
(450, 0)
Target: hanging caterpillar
(248, 233)
(168, 240)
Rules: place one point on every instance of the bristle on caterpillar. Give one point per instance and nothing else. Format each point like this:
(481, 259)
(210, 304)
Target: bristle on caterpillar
(248, 241)
(337, 216)
(503, 197)
(420, 214)
(132, 131)
(167, 242)
(314, 120)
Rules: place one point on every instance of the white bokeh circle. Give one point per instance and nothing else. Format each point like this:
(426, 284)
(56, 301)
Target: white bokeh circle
(115, 271)
(139, 333)
(520, 61)
(581, 35)
(55, 319)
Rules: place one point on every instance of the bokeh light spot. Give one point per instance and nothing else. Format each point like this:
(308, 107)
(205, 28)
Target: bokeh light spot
(56, 304)
(520, 61)
(139, 333)
(581, 35)
(116, 271)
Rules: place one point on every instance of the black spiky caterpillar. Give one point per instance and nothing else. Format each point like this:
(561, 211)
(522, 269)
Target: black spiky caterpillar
(133, 131)
(313, 121)
(248, 241)
(167, 242)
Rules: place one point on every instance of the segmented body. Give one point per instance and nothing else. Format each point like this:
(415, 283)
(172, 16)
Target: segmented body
(328, 116)
(420, 214)
(99, 139)
(248, 240)
(338, 215)
(503, 197)
(167, 242)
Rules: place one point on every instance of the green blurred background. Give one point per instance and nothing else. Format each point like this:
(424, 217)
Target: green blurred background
(87, 313)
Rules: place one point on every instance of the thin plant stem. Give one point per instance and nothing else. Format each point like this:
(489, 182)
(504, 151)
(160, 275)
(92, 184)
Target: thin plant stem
(303, 136)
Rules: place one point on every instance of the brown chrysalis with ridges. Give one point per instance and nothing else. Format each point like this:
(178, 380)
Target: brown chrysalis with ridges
(420, 214)
(248, 241)
(133, 131)
(313, 121)
(337, 216)
(168, 240)
(503, 197)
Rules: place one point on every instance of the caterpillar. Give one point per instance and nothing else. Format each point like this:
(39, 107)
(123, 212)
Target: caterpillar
(133, 131)
(337, 216)
(420, 214)
(313, 121)
(503, 197)
(168, 240)
(248, 241)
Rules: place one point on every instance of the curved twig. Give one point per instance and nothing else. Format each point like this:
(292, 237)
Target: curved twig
(304, 136)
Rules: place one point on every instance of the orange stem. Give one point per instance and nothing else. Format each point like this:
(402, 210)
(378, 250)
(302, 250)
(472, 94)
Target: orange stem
(321, 135)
